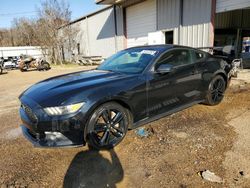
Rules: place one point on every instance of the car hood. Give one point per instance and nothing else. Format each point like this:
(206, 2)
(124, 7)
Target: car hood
(61, 89)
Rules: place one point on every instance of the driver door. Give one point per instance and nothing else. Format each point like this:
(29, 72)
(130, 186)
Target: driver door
(167, 91)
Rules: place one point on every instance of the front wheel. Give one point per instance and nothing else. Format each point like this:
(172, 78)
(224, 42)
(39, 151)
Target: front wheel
(216, 91)
(24, 68)
(107, 126)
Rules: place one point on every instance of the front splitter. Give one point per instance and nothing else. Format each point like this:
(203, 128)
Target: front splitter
(51, 140)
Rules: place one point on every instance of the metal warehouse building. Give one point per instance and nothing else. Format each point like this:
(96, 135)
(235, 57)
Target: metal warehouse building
(195, 23)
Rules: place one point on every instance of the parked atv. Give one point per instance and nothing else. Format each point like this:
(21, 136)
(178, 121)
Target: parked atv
(32, 63)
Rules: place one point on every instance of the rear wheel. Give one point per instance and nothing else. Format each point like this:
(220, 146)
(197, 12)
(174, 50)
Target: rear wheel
(107, 126)
(216, 91)
(45, 66)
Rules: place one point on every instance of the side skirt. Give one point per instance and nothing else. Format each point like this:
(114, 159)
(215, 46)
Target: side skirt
(148, 120)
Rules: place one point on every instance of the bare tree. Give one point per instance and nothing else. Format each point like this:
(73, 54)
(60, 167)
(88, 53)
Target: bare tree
(68, 35)
(6, 37)
(53, 14)
(44, 31)
(23, 32)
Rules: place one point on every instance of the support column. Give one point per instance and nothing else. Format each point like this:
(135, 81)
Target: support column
(212, 26)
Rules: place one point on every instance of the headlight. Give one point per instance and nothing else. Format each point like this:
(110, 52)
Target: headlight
(63, 110)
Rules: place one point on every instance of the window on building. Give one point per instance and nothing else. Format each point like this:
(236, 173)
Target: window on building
(78, 49)
(169, 37)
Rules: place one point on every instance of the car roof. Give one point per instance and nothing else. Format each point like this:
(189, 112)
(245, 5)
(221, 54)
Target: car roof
(160, 47)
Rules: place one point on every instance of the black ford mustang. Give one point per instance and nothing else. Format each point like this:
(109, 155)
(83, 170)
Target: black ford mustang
(131, 88)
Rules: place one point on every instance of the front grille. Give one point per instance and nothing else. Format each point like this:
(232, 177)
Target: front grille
(29, 113)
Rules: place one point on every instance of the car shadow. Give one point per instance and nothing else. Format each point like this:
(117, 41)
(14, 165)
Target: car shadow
(90, 169)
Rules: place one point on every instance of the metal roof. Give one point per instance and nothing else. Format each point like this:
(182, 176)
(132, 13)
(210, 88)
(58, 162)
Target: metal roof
(87, 15)
(108, 1)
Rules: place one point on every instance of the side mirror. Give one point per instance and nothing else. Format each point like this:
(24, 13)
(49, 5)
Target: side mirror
(165, 68)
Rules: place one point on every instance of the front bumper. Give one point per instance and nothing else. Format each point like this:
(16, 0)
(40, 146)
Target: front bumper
(48, 139)
(45, 131)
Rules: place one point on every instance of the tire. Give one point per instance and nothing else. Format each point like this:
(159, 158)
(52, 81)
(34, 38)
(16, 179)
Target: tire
(45, 66)
(24, 68)
(1, 70)
(216, 90)
(107, 126)
(235, 74)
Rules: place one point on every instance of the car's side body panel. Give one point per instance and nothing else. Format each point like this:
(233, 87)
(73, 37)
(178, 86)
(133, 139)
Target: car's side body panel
(168, 91)
(164, 114)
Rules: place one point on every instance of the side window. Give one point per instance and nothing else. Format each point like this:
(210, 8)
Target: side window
(176, 58)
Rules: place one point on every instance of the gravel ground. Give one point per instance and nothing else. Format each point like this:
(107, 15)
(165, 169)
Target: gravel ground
(199, 138)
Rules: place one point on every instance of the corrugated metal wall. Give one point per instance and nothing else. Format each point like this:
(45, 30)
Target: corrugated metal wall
(196, 21)
(227, 5)
(78, 34)
(140, 20)
(168, 16)
(101, 32)
(120, 39)
(196, 28)
(82, 37)
(168, 13)
(96, 34)
(233, 19)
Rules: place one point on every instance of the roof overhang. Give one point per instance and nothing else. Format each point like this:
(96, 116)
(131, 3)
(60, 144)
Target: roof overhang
(108, 2)
(124, 3)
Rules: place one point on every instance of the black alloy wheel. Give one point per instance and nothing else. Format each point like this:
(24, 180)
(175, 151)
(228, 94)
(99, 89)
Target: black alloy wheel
(216, 90)
(108, 126)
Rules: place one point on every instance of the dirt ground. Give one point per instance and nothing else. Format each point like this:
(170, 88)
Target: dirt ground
(202, 137)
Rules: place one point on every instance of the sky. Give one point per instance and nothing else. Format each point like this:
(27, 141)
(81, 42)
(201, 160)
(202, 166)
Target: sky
(10, 9)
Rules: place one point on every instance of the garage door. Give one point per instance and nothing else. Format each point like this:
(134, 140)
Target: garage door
(141, 20)
(228, 5)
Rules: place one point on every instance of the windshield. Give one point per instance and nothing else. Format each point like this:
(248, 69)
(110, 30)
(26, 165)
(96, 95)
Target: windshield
(129, 61)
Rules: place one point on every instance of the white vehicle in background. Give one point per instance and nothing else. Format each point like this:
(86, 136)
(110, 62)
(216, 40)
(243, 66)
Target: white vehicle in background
(9, 63)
